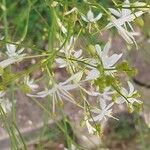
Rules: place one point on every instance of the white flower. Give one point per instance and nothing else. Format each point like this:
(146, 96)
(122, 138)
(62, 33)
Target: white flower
(69, 52)
(126, 35)
(77, 55)
(92, 74)
(107, 61)
(60, 91)
(127, 95)
(90, 17)
(103, 112)
(12, 53)
(13, 56)
(121, 19)
(30, 83)
(68, 47)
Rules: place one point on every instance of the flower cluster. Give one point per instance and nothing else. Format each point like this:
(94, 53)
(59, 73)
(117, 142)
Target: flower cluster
(93, 74)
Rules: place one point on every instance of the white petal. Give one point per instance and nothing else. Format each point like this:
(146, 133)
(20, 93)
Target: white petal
(69, 87)
(109, 106)
(90, 16)
(33, 86)
(96, 111)
(78, 53)
(92, 93)
(7, 62)
(113, 59)
(42, 94)
(102, 103)
(98, 17)
(126, 36)
(106, 49)
(132, 100)
(98, 50)
(84, 18)
(20, 51)
(99, 117)
(115, 12)
(126, 12)
(120, 100)
(129, 18)
(93, 74)
(61, 62)
(131, 88)
(11, 48)
(139, 4)
(63, 29)
(91, 130)
(124, 92)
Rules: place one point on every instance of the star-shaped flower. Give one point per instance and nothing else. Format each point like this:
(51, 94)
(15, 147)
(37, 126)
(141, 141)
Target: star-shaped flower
(13, 56)
(70, 53)
(107, 61)
(61, 90)
(11, 51)
(30, 83)
(90, 17)
(104, 111)
(128, 96)
(121, 19)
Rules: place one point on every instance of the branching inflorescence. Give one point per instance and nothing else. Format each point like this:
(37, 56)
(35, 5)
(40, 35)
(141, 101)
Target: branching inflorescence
(94, 65)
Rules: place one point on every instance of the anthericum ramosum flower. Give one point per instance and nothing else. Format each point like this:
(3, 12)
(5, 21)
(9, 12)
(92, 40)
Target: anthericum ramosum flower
(69, 53)
(30, 83)
(61, 90)
(128, 96)
(90, 17)
(11, 51)
(104, 111)
(108, 62)
(13, 56)
(121, 19)
(77, 55)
